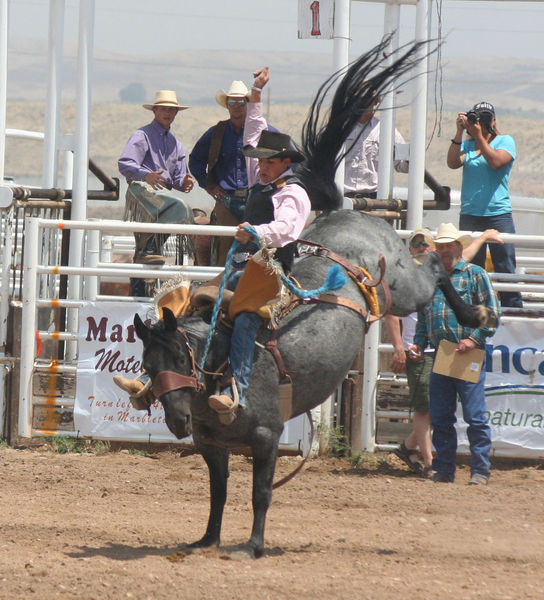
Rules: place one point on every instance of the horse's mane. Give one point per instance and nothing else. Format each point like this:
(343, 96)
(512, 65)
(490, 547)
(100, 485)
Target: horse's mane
(357, 88)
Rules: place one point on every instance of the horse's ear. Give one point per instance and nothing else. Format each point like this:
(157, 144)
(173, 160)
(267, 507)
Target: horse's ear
(142, 331)
(170, 323)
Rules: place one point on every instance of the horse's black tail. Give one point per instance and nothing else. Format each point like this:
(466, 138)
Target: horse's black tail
(360, 86)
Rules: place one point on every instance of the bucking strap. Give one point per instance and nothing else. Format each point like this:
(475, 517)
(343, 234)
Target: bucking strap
(320, 250)
(360, 275)
(339, 301)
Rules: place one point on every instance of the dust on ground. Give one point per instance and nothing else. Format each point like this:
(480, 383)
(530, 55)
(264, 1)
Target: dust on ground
(114, 526)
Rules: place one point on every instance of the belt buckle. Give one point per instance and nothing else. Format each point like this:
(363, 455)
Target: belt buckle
(307, 249)
(241, 257)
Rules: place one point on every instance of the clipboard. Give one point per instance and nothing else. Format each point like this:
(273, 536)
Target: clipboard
(461, 365)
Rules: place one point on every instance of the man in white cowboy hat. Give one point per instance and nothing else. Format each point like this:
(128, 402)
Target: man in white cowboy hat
(277, 208)
(436, 322)
(219, 167)
(153, 160)
(418, 367)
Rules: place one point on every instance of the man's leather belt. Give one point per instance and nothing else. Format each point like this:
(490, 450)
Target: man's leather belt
(361, 194)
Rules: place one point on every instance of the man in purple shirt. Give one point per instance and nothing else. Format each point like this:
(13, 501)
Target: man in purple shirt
(154, 160)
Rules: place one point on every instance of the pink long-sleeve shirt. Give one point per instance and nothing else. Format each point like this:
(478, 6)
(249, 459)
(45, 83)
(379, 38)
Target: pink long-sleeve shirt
(291, 202)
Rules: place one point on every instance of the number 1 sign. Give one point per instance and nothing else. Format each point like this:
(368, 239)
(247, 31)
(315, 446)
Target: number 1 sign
(315, 19)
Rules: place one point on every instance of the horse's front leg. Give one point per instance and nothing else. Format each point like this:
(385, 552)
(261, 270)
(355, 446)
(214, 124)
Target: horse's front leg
(265, 451)
(217, 460)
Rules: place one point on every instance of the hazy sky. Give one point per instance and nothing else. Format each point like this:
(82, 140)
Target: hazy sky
(487, 28)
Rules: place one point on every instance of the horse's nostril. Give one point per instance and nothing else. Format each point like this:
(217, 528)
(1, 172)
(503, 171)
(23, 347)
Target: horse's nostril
(188, 420)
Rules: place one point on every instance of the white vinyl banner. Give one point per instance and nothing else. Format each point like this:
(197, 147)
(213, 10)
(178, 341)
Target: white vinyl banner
(108, 346)
(514, 390)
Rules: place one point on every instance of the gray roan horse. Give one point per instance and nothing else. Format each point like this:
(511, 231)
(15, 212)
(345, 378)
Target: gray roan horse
(318, 342)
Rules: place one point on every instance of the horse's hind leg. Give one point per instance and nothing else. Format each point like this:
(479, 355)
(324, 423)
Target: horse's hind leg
(217, 460)
(265, 451)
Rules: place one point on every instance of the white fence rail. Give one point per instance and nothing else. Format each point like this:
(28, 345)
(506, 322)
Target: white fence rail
(99, 245)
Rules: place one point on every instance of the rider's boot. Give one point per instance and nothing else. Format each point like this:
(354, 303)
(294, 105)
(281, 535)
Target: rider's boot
(224, 404)
(131, 386)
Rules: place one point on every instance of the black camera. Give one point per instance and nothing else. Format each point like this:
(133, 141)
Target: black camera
(483, 116)
(472, 116)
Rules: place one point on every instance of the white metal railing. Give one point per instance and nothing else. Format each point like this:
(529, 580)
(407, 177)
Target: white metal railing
(89, 277)
(528, 286)
(95, 268)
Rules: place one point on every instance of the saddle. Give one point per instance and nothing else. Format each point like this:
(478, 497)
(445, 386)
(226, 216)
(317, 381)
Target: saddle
(261, 290)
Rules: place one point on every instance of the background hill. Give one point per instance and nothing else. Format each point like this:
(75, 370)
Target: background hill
(515, 88)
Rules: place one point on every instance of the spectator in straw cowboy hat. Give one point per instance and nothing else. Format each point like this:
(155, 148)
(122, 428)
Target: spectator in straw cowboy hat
(436, 322)
(152, 161)
(219, 166)
(418, 367)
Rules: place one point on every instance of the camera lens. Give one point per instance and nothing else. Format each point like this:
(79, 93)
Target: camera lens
(472, 116)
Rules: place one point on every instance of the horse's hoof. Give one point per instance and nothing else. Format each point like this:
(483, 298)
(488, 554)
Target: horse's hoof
(203, 543)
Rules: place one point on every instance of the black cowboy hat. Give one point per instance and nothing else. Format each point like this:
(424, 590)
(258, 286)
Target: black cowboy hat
(273, 144)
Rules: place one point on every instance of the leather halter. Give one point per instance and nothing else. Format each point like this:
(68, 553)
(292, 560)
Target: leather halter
(168, 381)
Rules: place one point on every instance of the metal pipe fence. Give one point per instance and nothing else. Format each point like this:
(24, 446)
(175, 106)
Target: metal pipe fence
(41, 272)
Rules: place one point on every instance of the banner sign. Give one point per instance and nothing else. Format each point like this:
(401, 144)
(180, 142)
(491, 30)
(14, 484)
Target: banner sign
(108, 346)
(316, 19)
(514, 390)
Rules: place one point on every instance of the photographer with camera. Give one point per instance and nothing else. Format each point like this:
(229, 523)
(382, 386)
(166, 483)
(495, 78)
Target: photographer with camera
(487, 158)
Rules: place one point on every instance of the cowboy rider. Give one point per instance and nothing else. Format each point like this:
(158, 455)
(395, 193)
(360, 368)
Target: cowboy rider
(277, 208)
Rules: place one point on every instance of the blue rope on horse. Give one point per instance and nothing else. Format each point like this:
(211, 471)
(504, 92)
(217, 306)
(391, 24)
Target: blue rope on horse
(334, 281)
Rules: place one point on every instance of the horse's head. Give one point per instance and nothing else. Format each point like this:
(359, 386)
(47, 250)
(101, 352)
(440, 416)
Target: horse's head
(170, 363)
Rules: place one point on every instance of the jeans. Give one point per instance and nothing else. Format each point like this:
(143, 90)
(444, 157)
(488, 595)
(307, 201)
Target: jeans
(443, 393)
(502, 255)
(242, 349)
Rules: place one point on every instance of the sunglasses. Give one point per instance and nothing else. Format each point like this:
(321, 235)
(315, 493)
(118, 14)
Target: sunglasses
(418, 244)
(231, 102)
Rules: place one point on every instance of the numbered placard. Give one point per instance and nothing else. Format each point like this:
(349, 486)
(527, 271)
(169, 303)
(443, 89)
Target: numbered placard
(316, 19)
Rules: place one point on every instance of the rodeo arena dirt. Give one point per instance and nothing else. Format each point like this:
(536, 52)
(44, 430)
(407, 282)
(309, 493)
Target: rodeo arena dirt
(100, 501)
(115, 526)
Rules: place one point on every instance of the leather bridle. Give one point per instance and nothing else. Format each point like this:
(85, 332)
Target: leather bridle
(168, 381)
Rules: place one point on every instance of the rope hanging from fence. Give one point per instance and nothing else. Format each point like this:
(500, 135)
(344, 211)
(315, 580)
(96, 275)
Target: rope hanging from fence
(334, 281)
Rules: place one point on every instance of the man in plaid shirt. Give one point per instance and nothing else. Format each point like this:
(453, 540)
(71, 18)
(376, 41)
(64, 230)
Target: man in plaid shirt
(437, 322)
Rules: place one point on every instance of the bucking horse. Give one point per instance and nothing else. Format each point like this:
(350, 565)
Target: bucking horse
(317, 340)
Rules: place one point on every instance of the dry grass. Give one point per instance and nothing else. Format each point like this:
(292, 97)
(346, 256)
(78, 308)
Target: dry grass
(111, 124)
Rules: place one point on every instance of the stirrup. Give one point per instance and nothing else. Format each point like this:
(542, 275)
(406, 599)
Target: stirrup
(228, 415)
